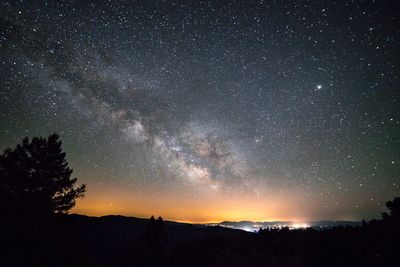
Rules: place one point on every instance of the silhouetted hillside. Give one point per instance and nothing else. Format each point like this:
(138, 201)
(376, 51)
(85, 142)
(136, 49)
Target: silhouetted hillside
(77, 240)
(121, 227)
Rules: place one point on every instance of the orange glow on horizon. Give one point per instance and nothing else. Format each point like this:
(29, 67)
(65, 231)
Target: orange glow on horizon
(179, 207)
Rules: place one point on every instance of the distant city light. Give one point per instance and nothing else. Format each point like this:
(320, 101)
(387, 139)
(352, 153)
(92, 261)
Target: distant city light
(299, 225)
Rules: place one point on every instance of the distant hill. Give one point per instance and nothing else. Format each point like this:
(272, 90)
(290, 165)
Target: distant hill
(255, 226)
(78, 240)
(179, 231)
(117, 227)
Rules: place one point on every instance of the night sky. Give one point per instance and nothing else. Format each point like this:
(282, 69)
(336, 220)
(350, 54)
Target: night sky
(210, 110)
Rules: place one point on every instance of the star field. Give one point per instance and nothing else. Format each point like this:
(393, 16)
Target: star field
(209, 110)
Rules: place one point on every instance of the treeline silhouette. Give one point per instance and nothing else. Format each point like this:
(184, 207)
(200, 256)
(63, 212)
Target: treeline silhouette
(37, 191)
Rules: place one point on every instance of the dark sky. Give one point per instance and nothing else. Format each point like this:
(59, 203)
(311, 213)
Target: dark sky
(210, 110)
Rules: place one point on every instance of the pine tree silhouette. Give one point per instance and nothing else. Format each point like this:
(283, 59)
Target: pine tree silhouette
(35, 179)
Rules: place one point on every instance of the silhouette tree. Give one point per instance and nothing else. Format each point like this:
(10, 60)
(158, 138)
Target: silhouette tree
(394, 207)
(155, 231)
(35, 179)
(394, 210)
(155, 241)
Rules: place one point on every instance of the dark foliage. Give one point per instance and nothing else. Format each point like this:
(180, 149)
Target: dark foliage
(394, 210)
(75, 240)
(35, 180)
(154, 242)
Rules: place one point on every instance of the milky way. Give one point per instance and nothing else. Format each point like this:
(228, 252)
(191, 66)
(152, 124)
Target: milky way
(211, 110)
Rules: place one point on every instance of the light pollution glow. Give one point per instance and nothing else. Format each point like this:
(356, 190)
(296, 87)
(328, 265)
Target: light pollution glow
(209, 208)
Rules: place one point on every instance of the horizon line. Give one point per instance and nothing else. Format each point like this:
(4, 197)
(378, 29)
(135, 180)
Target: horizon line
(217, 222)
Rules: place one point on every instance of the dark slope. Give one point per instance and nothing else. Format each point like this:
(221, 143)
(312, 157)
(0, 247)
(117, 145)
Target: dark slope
(76, 240)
